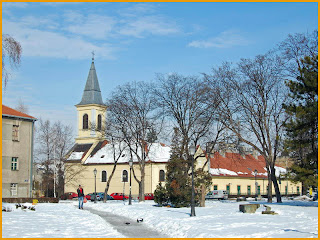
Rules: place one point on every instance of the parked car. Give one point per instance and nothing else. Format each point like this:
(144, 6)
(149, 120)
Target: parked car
(68, 195)
(148, 196)
(100, 196)
(118, 196)
(217, 194)
(88, 197)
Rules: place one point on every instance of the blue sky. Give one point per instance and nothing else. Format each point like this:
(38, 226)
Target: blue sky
(133, 42)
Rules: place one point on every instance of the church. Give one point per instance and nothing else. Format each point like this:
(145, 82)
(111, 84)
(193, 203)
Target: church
(90, 162)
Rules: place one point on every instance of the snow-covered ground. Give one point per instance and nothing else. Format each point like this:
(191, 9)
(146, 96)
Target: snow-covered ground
(219, 219)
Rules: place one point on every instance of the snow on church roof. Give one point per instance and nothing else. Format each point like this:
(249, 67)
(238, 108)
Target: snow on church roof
(158, 152)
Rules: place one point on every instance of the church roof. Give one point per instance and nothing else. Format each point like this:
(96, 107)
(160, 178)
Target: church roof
(92, 93)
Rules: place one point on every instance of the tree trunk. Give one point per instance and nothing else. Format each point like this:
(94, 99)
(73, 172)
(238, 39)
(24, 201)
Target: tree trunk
(203, 195)
(141, 187)
(269, 188)
(275, 184)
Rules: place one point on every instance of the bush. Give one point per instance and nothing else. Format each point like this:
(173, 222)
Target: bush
(160, 195)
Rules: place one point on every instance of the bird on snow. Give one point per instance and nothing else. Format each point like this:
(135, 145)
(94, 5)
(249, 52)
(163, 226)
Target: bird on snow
(139, 220)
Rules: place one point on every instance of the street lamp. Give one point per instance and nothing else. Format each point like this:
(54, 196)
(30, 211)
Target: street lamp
(192, 151)
(255, 182)
(95, 185)
(130, 164)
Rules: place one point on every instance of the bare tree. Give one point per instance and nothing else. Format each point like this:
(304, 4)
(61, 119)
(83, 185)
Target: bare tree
(22, 107)
(11, 52)
(52, 144)
(252, 95)
(117, 142)
(133, 108)
(184, 101)
(295, 47)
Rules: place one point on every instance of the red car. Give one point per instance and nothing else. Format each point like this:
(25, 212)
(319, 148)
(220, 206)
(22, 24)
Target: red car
(69, 195)
(118, 196)
(148, 196)
(88, 197)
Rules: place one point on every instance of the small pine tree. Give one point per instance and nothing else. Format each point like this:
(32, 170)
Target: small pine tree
(160, 195)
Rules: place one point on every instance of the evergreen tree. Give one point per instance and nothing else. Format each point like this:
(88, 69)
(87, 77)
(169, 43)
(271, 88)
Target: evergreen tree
(302, 128)
(160, 195)
(178, 182)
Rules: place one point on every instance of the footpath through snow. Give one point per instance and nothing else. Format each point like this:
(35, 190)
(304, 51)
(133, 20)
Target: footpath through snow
(219, 219)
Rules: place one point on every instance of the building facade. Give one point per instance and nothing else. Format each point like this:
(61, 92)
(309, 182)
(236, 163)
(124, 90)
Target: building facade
(17, 153)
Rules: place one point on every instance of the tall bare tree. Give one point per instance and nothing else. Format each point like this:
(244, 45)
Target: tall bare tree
(252, 94)
(184, 101)
(52, 143)
(117, 143)
(133, 108)
(11, 52)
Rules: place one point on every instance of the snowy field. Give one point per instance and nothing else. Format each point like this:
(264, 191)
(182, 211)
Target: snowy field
(219, 219)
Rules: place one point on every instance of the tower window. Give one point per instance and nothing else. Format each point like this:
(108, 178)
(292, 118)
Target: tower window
(99, 122)
(85, 121)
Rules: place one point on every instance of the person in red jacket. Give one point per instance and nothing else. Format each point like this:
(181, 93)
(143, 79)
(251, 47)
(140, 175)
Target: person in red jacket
(80, 196)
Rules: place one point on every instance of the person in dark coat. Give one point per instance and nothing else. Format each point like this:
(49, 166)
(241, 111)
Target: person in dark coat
(80, 196)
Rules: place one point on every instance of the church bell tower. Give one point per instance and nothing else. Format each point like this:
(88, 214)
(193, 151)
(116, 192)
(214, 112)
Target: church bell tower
(91, 111)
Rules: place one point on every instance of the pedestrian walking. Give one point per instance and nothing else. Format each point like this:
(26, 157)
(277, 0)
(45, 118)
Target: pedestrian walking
(80, 196)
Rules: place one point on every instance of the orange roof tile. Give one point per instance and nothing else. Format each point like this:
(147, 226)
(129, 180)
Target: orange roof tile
(11, 112)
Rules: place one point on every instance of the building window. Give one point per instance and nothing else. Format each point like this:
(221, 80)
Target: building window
(258, 191)
(249, 189)
(14, 189)
(85, 122)
(124, 176)
(104, 176)
(238, 189)
(298, 190)
(15, 133)
(99, 122)
(286, 190)
(215, 187)
(14, 164)
(228, 189)
(161, 175)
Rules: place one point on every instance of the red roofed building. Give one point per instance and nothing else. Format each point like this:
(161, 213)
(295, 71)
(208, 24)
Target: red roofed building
(237, 173)
(17, 153)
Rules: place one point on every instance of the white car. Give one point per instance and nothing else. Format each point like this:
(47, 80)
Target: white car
(217, 194)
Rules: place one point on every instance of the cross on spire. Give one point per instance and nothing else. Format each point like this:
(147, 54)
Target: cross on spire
(92, 56)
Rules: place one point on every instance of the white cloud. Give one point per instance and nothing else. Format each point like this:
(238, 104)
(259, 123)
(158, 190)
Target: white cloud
(137, 10)
(156, 25)
(14, 4)
(225, 39)
(43, 43)
(31, 21)
(93, 26)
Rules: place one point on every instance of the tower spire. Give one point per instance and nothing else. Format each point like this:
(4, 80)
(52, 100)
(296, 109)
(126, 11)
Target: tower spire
(92, 93)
